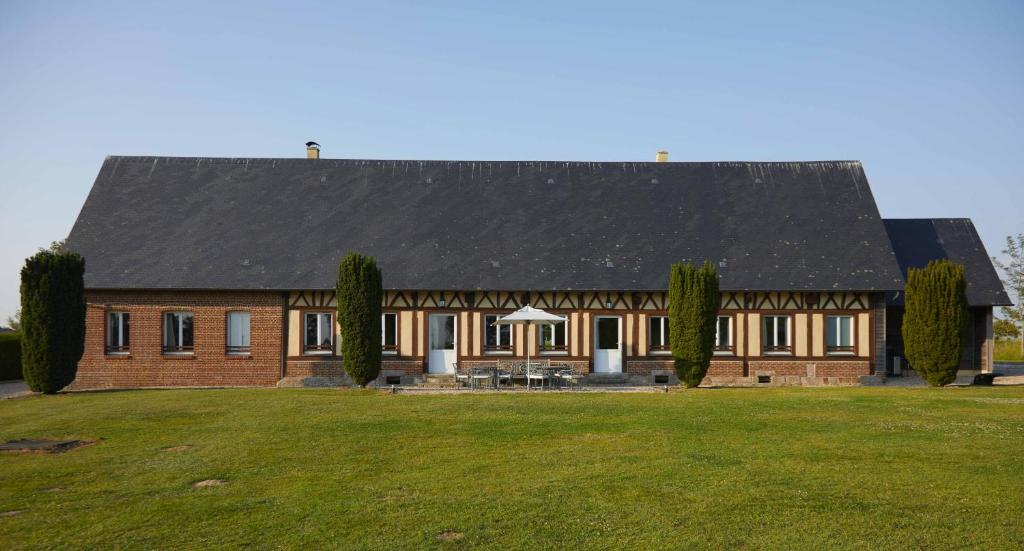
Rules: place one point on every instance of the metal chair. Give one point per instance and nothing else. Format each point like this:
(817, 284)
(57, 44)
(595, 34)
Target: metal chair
(478, 375)
(461, 376)
(567, 377)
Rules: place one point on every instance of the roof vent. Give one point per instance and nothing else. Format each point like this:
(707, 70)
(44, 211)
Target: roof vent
(312, 150)
(661, 157)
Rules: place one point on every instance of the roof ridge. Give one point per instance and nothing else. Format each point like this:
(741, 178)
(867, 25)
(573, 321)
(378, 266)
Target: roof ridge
(175, 158)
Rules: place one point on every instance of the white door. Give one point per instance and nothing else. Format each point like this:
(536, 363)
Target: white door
(607, 344)
(442, 356)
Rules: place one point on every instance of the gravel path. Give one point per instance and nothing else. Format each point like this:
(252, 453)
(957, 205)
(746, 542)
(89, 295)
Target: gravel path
(13, 389)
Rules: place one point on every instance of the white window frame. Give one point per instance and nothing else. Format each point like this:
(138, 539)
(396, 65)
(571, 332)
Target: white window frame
(489, 324)
(320, 329)
(565, 338)
(119, 348)
(666, 342)
(383, 333)
(774, 334)
(181, 333)
(729, 348)
(850, 335)
(242, 348)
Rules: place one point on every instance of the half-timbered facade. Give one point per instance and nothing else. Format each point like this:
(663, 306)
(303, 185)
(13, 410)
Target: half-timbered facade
(212, 272)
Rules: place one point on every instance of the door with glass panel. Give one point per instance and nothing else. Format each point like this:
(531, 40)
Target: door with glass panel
(442, 356)
(607, 344)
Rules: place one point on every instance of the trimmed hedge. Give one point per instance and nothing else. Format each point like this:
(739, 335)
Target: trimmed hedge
(10, 356)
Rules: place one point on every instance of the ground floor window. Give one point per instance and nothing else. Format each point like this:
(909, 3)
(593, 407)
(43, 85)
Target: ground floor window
(553, 336)
(319, 333)
(117, 333)
(389, 333)
(723, 334)
(497, 338)
(839, 334)
(238, 332)
(657, 329)
(776, 334)
(178, 332)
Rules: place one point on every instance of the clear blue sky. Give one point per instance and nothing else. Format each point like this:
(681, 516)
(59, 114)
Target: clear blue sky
(928, 95)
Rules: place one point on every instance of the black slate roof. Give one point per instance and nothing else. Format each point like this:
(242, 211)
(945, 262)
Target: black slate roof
(917, 241)
(218, 223)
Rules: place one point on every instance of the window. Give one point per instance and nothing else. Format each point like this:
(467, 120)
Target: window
(238, 332)
(723, 334)
(553, 336)
(658, 330)
(776, 334)
(319, 333)
(117, 333)
(389, 333)
(178, 332)
(497, 338)
(839, 334)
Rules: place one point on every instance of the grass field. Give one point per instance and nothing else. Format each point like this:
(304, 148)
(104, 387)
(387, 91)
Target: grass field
(1008, 351)
(726, 468)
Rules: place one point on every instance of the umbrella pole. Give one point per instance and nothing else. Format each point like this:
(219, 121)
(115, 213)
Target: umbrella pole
(529, 324)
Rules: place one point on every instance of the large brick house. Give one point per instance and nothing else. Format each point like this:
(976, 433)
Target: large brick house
(217, 271)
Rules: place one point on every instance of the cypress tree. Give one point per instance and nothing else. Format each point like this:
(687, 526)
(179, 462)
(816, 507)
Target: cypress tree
(934, 320)
(359, 310)
(52, 318)
(693, 302)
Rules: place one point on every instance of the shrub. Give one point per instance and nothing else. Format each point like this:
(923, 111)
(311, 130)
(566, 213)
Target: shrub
(935, 320)
(359, 311)
(693, 303)
(52, 319)
(10, 356)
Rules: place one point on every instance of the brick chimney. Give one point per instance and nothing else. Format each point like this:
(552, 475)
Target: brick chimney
(312, 150)
(661, 157)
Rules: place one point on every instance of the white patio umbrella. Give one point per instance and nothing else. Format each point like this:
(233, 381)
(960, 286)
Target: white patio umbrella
(528, 315)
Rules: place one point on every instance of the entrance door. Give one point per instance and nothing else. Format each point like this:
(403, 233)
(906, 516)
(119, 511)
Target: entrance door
(442, 356)
(607, 344)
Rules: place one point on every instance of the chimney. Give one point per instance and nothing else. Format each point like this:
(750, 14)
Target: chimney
(661, 157)
(312, 150)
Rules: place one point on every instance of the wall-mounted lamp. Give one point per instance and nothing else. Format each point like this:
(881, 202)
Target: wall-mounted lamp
(442, 302)
(608, 304)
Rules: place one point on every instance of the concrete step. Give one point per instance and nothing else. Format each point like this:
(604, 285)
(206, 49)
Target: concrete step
(438, 380)
(607, 379)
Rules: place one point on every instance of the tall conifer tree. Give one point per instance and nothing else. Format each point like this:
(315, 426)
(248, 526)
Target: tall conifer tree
(693, 302)
(52, 318)
(934, 320)
(359, 296)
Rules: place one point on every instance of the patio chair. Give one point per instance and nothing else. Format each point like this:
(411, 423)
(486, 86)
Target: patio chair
(502, 374)
(478, 375)
(567, 377)
(462, 378)
(538, 371)
(516, 370)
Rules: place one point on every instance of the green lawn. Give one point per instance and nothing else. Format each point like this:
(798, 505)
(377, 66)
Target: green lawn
(785, 468)
(1008, 351)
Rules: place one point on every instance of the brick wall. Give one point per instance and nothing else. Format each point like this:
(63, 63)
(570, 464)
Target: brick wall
(805, 368)
(209, 365)
(334, 367)
(719, 368)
